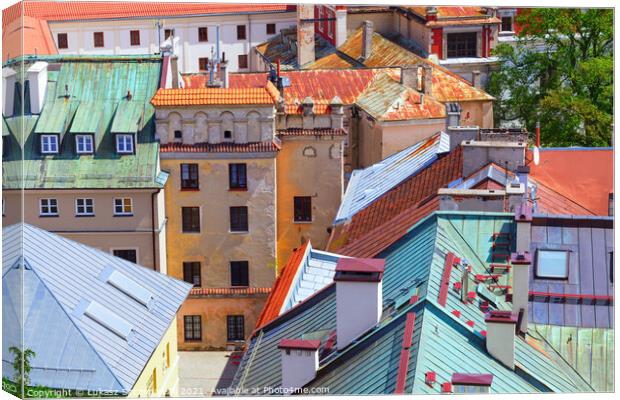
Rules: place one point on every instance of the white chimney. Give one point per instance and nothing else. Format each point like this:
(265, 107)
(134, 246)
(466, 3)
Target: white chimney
(305, 34)
(367, 29)
(475, 79)
(500, 339)
(37, 75)
(521, 262)
(359, 297)
(300, 361)
(523, 218)
(9, 77)
(515, 191)
(341, 25)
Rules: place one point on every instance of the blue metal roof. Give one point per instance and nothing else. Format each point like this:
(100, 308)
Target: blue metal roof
(76, 313)
(366, 185)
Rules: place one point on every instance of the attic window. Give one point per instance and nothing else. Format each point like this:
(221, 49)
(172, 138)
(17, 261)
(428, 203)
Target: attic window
(471, 383)
(49, 144)
(124, 144)
(552, 264)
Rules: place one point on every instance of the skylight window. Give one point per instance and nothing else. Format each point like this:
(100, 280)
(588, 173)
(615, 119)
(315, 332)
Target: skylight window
(108, 319)
(552, 264)
(130, 288)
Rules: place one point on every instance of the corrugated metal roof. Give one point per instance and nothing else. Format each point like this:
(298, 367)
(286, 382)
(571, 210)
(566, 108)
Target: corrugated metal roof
(73, 350)
(366, 185)
(55, 117)
(87, 118)
(127, 117)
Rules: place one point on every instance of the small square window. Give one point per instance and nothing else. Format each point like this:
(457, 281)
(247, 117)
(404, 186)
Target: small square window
(203, 63)
(243, 61)
(271, 29)
(98, 39)
(63, 41)
(48, 207)
(241, 32)
(235, 326)
(178, 134)
(123, 206)
(49, 144)
(507, 24)
(239, 219)
(302, 208)
(134, 37)
(130, 255)
(84, 144)
(203, 34)
(227, 134)
(168, 33)
(552, 264)
(124, 144)
(84, 207)
(192, 327)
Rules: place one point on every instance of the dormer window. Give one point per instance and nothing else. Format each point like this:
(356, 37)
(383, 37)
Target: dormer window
(552, 264)
(471, 383)
(124, 144)
(49, 144)
(84, 144)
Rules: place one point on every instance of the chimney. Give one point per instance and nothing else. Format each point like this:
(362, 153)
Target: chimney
(409, 76)
(477, 154)
(475, 79)
(341, 25)
(453, 119)
(367, 29)
(9, 77)
(500, 339)
(538, 134)
(305, 34)
(520, 262)
(174, 70)
(523, 219)
(359, 297)
(431, 13)
(522, 173)
(515, 192)
(459, 134)
(224, 71)
(337, 113)
(427, 83)
(299, 362)
(37, 75)
(307, 107)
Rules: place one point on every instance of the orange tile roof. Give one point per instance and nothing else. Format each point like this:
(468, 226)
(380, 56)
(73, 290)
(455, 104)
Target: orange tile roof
(278, 294)
(258, 147)
(36, 38)
(214, 96)
(311, 132)
(451, 12)
(584, 175)
(229, 291)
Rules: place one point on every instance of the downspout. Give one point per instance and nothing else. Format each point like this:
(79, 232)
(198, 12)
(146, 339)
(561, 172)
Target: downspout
(154, 240)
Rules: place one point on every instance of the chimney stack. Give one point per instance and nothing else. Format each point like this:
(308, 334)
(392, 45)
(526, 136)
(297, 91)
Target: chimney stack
(359, 297)
(520, 262)
(427, 83)
(500, 339)
(224, 71)
(477, 154)
(174, 70)
(305, 34)
(337, 113)
(37, 75)
(523, 219)
(431, 13)
(515, 191)
(538, 134)
(409, 76)
(475, 79)
(299, 362)
(367, 29)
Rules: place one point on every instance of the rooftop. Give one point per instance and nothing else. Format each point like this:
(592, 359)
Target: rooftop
(92, 319)
(267, 95)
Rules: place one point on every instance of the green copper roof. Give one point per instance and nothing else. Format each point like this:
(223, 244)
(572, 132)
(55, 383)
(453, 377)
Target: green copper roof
(89, 94)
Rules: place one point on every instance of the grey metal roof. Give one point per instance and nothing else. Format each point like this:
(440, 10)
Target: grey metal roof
(77, 311)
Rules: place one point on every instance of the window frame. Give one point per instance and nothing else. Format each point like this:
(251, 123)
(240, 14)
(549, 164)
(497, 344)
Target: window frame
(203, 34)
(235, 172)
(119, 141)
(134, 34)
(96, 37)
(203, 63)
(123, 206)
(183, 227)
(168, 32)
(86, 137)
(232, 326)
(306, 214)
(237, 228)
(190, 183)
(195, 322)
(508, 17)
(270, 25)
(65, 40)
(240, 273)
(56, 142)
(457, 37)
(134, 249)
(189, 272)
(541, 275)
(242, 31)
(49, 206)
(245, 64)
(84, 206)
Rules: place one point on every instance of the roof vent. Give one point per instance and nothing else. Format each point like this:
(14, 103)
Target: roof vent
(108, 319)
(127, 286)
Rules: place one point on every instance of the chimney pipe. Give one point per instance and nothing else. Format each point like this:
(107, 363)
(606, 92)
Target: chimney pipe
(359, 297)
(500, 339)
(521, 262)
(367, 29)
(475, 79)
(37, 75)
(299, 362)
(428, 80)
(538, 134)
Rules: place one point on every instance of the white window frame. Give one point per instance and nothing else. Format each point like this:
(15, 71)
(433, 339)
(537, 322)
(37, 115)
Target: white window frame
(49, 205)
(541, 274)
(87, 142)
(122, 139)
(84, 206)
(47, 141)
(122, 204)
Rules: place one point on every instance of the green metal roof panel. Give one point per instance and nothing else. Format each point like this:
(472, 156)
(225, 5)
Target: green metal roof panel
(54, 119)
(5, 128)
(127, 117)
(87, 118)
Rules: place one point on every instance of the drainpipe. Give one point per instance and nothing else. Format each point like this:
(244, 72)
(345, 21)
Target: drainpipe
(154, 240)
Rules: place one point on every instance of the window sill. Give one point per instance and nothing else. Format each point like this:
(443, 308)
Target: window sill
(84, 153)
(303, 222)
(123, 215)
(191, 232)
(190, 189)
(238, 232)
(84, 215)
(238, 189)
(192, 340)
(49, 215)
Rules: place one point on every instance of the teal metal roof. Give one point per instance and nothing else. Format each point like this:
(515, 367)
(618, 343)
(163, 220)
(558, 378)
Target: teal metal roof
(443, 342)
(89, 94)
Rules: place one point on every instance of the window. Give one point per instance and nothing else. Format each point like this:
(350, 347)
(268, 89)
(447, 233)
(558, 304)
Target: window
(237, 176)
(203, 63)
(238, 219)
(134, 38)
(17, 99)
(552, 264)
(48, 207)
(167, 358)
(610, 205)
(235, 327)
(49, 144)
(471, 383)
(124, 144)
(130, 255)
(271, 29)
(168, 33)
(507, 24)
(123, 206)
(243, 60)
(303, 208)
(462, 44)
(84, 207)
(203, 34)
(191, 219)
(240, 32)
(63, 41)
(239, 275)
(84, 144)
(5, 146)
(153, 386)
(189, 176)
(178, 134)
(98, 39)
(191, 272)
(227, 134)
(193, 327)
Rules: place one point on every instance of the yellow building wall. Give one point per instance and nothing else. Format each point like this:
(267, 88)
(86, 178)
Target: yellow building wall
(308, 166)
(163, 366)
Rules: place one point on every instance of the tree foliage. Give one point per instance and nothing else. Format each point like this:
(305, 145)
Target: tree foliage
(21, 366)
(559, 72)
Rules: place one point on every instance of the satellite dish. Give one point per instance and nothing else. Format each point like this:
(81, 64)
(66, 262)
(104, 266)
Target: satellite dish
(536, 154)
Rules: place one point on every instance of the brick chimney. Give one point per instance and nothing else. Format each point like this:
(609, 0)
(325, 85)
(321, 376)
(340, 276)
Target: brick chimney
(500, 339)
(305, 34)
(299, 362)
(367, 29)
(520, 262)
(359, 297)
(409, 76)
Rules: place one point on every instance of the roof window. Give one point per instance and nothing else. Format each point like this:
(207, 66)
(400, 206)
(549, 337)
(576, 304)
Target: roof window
(552, 264)
(130, 288)
(108, 319)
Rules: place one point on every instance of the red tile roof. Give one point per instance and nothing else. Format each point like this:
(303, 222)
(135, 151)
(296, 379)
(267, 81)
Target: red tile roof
(229, 291)
(259, 147)
(204, 96)
(276, 298)
(585, 176)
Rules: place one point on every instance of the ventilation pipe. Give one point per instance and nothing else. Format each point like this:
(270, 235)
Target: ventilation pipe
(299, 362)
(500, 339)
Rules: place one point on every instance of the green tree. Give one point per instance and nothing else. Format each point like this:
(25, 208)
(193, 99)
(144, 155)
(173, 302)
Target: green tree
(560, 71)
(21, 365)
